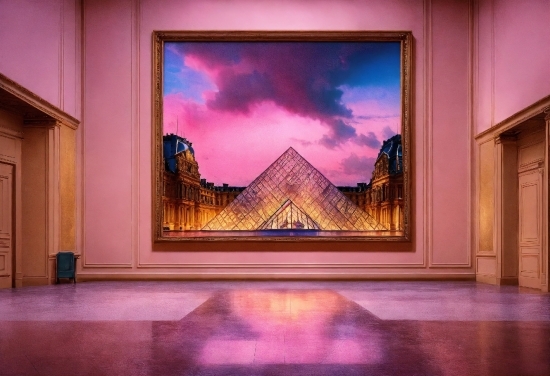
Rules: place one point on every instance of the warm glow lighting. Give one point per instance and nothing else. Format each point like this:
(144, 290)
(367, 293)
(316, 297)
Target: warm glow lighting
(291, 327)
(291, 186)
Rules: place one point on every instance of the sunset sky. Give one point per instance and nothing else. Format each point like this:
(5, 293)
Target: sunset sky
(243, 104)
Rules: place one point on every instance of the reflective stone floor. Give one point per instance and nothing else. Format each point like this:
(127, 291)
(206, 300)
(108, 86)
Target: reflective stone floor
(274, 328)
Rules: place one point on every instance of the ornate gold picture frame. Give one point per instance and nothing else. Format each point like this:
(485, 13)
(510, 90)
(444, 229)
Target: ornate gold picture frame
(282, 136)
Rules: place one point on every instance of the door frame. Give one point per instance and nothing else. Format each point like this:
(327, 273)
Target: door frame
(14, 160)
(27, 110)
(495, 245)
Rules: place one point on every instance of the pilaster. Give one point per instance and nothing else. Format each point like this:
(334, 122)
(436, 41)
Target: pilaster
(506, 209)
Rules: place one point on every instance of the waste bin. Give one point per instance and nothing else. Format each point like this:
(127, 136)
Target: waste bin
(65, 266)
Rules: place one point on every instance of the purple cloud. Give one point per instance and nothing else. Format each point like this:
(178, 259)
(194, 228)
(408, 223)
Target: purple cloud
(339, 133)
(305, 79)
(370, 140)
(387, 132)
(355, 165)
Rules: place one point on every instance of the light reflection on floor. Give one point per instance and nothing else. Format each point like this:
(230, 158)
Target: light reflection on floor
(285, 327)
(293, 328)
(274, 328)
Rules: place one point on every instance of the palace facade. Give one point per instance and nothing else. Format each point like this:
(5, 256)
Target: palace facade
(382, 197)
(189, 202)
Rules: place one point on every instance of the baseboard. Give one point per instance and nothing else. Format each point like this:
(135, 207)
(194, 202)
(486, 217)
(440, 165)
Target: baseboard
(494, 280)
(507, 281)
(82, 277)
(490, 279)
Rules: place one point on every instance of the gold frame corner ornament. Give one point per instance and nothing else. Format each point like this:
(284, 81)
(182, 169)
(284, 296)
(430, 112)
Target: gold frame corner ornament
(160, 37)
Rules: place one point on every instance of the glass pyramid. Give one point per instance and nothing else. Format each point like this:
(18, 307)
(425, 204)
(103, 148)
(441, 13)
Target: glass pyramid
(292, 185)
(289, 216)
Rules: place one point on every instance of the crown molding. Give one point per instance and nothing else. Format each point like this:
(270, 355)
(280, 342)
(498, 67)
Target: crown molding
(34, 109)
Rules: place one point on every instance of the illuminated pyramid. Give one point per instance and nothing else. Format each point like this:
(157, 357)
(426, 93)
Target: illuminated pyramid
(289, 216)
(292, 186)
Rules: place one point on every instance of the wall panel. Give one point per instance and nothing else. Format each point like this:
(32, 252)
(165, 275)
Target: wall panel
(40, 41)
(117, 139)
(451, 135)
(34, 193)
(512, 58)
(107, 131)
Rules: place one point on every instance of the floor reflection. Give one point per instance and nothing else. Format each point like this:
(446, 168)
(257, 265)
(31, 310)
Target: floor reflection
(274, 328)
(259, 332)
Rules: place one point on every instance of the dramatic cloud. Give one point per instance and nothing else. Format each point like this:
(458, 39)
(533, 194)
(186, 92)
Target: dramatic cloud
(339, 133)
(370, 140)
(302, 142)
(359, 166)
(243, 104)
(376, 117)
(387, 132)
(305, 79)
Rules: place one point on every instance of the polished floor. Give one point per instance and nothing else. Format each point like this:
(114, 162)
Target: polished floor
(274, 328)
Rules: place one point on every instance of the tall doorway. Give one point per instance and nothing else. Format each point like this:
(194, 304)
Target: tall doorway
(531, 154)
(6, 225)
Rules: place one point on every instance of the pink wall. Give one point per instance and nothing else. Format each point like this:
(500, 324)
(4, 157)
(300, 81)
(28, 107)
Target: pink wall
(501, 46)
(116, 143)
(40, 44)
(513, 58)
(451, 135)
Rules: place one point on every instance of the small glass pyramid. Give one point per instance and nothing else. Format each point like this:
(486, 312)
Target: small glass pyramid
(292, 190)
(289, 216)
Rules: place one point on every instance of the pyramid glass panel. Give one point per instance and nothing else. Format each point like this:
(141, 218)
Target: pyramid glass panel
(289, 216)
(292, 194)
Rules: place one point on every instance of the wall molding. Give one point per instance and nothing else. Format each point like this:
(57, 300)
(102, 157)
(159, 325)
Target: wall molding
(493, 62)
(10, 133)
(33, 107)
(82, 145)
(470, 143)
(428, 136)
(280, 265)
(135, 131)
(195, 275)
(527, 113)
(61, 62)
(106, 265)
(424, 152)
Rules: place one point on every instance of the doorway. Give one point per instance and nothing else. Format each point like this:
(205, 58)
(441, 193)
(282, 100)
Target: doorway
(6, 225)
(531, 154)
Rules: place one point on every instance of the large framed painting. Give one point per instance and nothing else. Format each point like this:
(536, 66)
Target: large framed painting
(281, 136)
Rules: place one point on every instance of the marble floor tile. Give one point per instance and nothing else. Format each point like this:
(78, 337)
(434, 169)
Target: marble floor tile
(274, 328)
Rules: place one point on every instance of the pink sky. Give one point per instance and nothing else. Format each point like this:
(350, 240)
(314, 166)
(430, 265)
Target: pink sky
(237, 135)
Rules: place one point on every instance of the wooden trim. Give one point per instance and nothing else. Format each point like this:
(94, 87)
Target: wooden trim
(37, 102)
(279, 266)
(159, 38)
(428, 144)
(536, 108)
(344, 276)
(10, 133)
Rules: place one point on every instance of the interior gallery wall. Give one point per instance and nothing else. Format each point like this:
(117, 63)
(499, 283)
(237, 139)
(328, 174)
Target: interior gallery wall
(40, 44)
(511, 57)
(117, 140)
(93, 60)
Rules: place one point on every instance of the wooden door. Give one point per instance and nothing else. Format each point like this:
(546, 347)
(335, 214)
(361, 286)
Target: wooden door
(530, 228)
(6, 242)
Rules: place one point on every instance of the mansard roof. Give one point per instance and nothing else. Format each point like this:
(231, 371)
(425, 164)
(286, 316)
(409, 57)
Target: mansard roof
(393, 149)
(172, 146)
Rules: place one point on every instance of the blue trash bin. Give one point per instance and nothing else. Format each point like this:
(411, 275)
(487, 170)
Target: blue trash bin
(65, 266)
